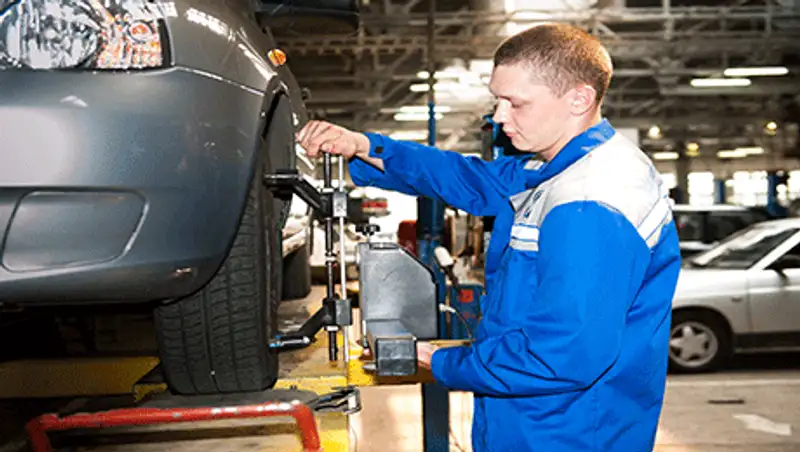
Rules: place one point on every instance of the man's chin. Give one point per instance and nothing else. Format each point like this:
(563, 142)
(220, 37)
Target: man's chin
(522, 146)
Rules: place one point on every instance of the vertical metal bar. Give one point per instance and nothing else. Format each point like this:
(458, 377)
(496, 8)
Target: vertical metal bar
(330, 258)
(719, 191)
(342, 266)
(435, 398)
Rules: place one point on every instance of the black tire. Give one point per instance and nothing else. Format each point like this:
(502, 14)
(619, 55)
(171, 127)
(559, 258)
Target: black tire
(297, 274)
(211, 342)
(716, 348)
(281, 147)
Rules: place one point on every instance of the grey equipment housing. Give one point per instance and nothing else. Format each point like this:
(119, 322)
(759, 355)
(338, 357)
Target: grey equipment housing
(398, 306)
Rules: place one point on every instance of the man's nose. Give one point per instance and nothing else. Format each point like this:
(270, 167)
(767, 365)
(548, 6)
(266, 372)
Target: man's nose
(500, 114)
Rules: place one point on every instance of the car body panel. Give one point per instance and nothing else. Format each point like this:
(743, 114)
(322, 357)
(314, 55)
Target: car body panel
(774, 295)
(222, 38)
(717, 290)
(187, 159)
(166, 157)
(774, 299)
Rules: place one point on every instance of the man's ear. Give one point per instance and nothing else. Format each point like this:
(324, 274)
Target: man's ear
(582, 99)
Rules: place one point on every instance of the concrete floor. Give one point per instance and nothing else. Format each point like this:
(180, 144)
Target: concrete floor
(732, 411)
(753, 406)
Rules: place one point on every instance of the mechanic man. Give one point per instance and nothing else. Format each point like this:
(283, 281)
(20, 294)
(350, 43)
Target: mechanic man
(571, 352)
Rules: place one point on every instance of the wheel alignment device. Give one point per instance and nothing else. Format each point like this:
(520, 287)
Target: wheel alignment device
(398, 293)
(331, 203)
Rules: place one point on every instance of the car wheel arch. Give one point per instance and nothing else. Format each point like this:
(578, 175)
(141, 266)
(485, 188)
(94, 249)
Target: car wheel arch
(716, 313)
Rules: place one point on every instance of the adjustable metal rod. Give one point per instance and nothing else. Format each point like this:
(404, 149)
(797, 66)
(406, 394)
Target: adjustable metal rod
(330, 259)
(343, 266)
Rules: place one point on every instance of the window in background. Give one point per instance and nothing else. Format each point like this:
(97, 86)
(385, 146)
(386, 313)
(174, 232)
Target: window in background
(750, 188)
(701, 188)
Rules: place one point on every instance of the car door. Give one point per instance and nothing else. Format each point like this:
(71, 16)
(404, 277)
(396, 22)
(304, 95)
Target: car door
(774, 295)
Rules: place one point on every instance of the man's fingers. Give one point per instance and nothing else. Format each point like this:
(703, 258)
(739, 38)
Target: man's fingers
(302, 136)
(327, 140)
(307, 133)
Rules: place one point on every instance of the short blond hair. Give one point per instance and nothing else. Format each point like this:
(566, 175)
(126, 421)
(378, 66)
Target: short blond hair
(563, 56)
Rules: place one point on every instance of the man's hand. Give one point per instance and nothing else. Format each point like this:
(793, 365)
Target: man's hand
(321, 136)
(425, 353)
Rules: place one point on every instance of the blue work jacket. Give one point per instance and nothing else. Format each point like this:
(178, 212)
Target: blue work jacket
(571, 351)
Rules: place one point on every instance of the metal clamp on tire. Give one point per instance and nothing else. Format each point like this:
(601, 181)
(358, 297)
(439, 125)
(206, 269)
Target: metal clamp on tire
(331, 204)
(398, 292)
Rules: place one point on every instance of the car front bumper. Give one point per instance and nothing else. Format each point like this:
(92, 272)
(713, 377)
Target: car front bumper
(120, 186)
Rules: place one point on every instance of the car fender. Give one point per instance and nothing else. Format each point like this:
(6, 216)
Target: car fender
(718, 291)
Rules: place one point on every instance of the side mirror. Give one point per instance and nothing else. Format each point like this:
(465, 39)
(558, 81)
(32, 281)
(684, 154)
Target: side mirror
(786, 262)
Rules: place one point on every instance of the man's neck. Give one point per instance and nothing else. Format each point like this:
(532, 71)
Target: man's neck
(578, 128)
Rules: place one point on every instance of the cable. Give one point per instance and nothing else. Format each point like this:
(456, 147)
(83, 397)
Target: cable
(444, 308)
(456, 443)
(354, 439)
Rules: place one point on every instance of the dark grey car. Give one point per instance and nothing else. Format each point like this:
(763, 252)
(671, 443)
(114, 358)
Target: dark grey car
(134, 135)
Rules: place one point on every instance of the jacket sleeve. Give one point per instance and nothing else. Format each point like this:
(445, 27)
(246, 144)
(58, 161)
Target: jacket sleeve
(591, 262)
(468, 183)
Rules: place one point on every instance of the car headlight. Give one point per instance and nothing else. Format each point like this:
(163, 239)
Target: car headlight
(90, 34)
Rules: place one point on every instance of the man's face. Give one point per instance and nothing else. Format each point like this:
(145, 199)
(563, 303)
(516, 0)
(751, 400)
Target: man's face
(532, 115)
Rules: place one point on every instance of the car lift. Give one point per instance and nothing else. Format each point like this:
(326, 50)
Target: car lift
(401, 300)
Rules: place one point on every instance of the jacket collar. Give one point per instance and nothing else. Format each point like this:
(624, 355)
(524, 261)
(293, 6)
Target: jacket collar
(538, 171)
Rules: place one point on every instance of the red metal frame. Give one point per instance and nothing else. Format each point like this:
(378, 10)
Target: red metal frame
(37, 428)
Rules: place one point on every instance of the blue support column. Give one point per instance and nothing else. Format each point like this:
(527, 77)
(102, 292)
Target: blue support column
(774, 179)
(430, 225)
(719, 191)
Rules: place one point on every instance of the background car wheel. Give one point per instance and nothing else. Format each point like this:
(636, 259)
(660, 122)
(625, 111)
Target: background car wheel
(211, 342)
(297, 274)
(699, 342)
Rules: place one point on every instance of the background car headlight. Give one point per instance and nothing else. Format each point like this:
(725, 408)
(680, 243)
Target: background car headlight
(90, 34)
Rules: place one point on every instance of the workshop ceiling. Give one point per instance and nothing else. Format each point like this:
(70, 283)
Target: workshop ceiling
(364, 79)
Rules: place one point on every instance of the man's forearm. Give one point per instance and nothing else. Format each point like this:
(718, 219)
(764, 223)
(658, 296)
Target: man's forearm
(362, 152)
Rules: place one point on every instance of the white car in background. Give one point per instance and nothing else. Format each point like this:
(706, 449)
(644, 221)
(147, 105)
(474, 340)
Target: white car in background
(701, 227)
(741, 295)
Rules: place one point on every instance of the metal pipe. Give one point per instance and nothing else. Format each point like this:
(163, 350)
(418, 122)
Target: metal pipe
(37, 428)
(342, 266)
(330, 258)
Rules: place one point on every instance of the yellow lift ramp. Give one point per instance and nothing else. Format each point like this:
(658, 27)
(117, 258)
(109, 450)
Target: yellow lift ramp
(100, 385)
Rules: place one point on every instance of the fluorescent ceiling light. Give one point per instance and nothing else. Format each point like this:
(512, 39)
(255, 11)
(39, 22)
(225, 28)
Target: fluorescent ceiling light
(755, 71)
(719, 82)
(450, 73)
(751, 150)
(415, 116)
(731, 154)
(665, 155)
